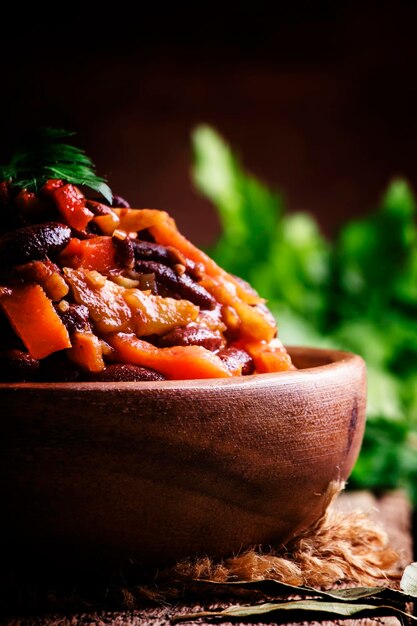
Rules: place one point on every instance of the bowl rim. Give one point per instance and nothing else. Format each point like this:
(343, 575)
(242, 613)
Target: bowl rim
(335, 360)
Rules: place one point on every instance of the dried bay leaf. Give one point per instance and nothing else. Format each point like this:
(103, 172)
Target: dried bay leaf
(276, 588)
(318, 607)
(345, 609)
(409, 580)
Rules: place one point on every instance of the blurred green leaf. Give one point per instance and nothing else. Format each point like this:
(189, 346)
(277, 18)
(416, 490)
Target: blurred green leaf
(357, 293)
(284, 257)
(388, 457)
(297, 269)
(375, 258)
(296, 330)
(248, 211)
(384, 394)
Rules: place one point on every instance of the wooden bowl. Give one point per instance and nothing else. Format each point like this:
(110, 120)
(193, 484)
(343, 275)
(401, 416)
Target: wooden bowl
(100, 473)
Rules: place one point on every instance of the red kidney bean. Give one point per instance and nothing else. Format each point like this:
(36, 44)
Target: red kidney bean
(234, 357)
(124, 372)
(32, 243)
(98, 208)
(76, 318)
(193, 335)
(184, 286)
(149, 251)
(125, 254)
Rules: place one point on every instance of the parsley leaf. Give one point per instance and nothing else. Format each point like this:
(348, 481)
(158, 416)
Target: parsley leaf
(45, 154)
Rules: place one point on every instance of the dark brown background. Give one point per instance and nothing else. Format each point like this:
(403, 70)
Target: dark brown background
(320, 99)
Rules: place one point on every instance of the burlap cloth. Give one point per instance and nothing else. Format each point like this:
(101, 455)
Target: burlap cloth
(341, 548)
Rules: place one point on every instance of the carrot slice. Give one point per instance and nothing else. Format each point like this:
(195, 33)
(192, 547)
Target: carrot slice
(70, 202)
(269, 357)
(86, 352)
(107, 223)
(97, 253)
(176, 363)
(255, 324)
(134, 220)
(35, 320)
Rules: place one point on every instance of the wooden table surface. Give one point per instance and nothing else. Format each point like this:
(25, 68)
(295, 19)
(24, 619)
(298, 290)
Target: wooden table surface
(392, 510)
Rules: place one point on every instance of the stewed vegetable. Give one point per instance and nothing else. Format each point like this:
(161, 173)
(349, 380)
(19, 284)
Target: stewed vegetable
(95, 290)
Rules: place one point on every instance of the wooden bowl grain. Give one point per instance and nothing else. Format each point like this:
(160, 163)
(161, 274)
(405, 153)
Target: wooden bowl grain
(100, 473)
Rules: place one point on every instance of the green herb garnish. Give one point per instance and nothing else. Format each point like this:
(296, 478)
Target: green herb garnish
(44, 155)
